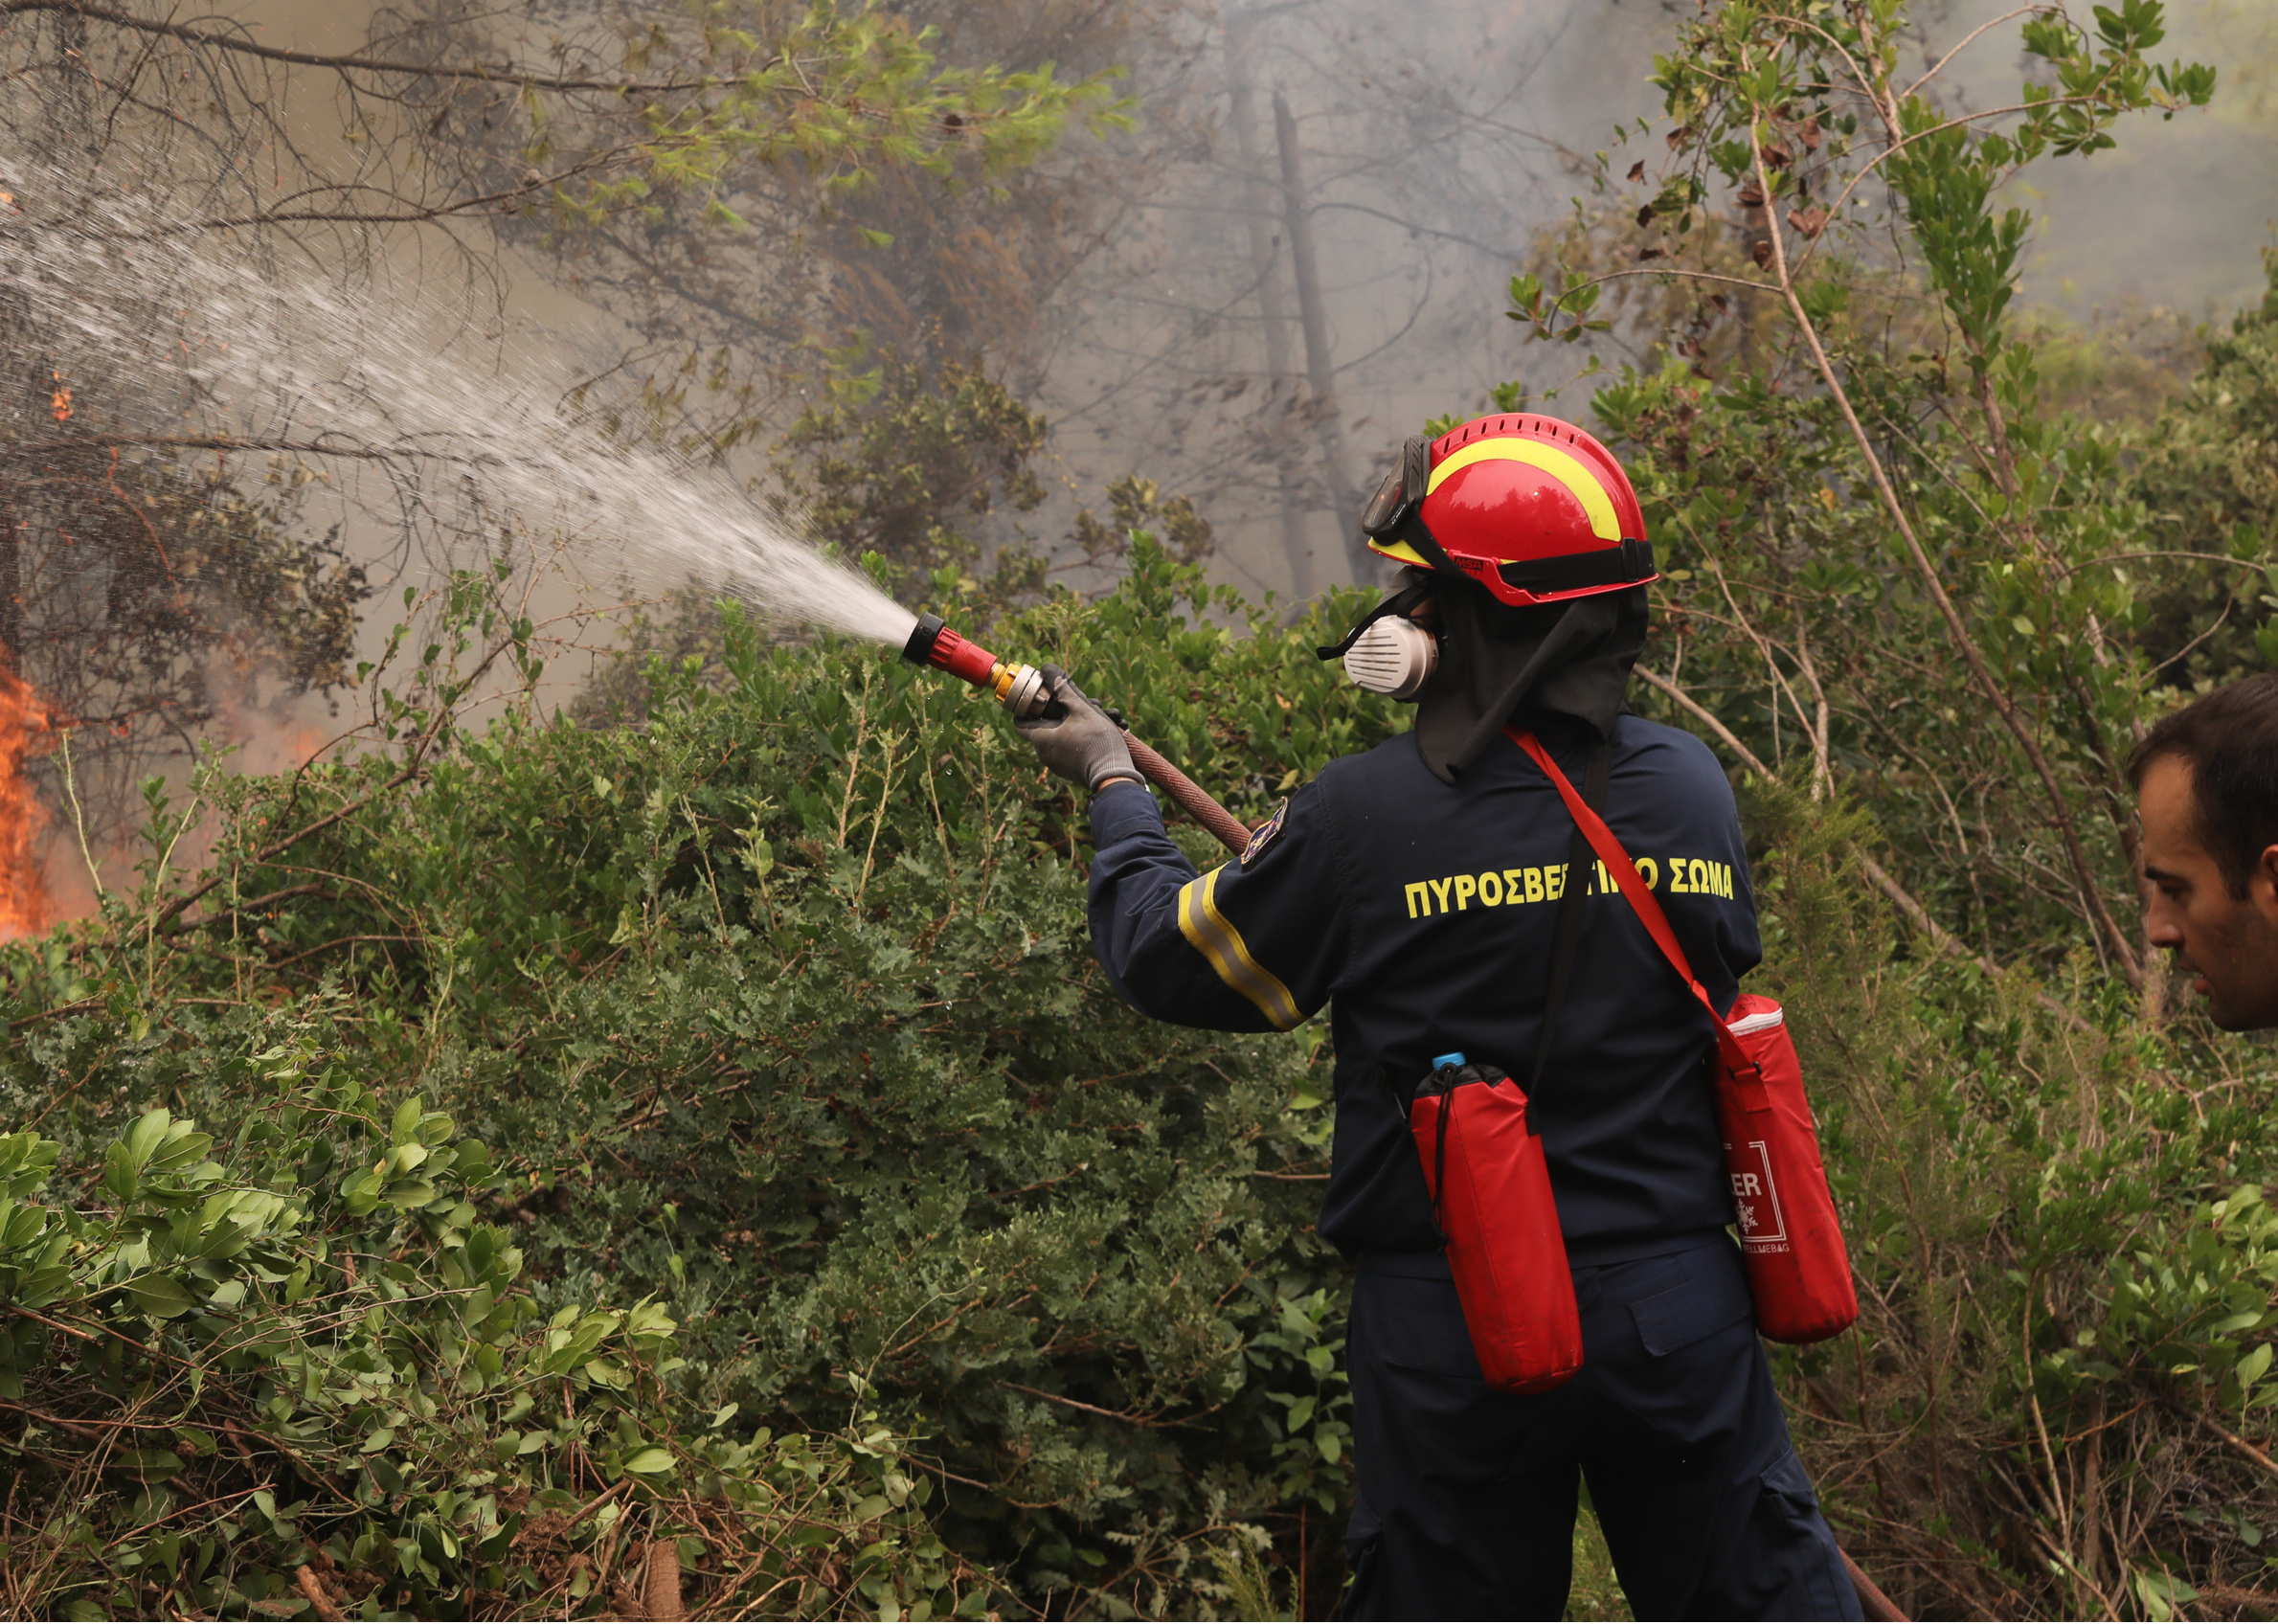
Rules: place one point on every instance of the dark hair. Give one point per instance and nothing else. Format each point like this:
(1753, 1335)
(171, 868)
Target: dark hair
(2229, 741)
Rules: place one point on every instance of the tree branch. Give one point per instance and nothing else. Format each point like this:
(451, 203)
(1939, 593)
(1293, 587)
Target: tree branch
(2091, 895)
(520, 79)
(1916, 914)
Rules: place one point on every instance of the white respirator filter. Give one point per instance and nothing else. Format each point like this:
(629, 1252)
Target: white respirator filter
(1394, 657)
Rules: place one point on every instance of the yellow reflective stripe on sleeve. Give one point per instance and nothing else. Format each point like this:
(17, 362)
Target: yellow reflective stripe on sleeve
(1567, 471)
(1214, 935)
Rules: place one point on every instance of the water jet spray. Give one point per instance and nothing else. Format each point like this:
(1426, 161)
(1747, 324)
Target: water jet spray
(1021, 689)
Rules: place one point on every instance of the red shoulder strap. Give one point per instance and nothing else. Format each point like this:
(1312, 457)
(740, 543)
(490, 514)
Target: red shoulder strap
(1634, 889)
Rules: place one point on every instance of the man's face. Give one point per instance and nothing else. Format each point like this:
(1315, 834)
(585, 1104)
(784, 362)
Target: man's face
(2228, 944)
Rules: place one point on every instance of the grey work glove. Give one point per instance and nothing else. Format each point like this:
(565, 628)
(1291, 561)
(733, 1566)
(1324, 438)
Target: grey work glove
(1073, 737)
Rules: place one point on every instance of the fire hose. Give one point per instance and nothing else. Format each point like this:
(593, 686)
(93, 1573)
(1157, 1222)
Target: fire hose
(1020, 689)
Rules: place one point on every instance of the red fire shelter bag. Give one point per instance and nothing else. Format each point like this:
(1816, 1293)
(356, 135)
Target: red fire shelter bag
(1491, 1190)
(1799, 1270)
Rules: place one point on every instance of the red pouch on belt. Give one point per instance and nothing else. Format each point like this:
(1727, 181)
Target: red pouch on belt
(1492, 1191)
(1798, 1271)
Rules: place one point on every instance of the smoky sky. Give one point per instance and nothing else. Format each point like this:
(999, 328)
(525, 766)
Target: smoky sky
(1434, 147)
(1434, 156)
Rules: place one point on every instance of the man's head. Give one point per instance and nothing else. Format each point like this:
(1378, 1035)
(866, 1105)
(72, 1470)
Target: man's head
(2206, 781)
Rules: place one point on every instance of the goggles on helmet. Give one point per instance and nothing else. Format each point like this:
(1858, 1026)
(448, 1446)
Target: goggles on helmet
(1396, 511)
(1401, 490)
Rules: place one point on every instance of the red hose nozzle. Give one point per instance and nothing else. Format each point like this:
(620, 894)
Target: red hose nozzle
(933, 642)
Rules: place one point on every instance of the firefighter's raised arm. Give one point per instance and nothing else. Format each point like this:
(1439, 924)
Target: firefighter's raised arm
(1253, 945)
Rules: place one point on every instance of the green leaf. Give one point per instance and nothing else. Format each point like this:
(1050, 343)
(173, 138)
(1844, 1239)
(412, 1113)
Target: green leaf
(161, 1297)
(119, 1170)
(361, 1192)
(181, 1149)
(650, 1462)
(26, 1161)
(145, 1136)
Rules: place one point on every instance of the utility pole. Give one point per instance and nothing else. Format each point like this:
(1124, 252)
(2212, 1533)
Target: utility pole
(1241, 31)
(1320, 369)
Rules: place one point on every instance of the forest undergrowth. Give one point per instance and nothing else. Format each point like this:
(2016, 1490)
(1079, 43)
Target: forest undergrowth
(710, 1148)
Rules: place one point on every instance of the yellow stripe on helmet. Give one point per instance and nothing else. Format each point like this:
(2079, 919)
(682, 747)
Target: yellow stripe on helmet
(1569, 471)
(1214, 935)
(1399, 549)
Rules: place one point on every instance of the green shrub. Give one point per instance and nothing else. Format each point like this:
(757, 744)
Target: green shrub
(303, 1376)
(781, 1018)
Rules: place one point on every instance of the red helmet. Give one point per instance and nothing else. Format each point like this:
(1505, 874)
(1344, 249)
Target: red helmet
(1533, 509)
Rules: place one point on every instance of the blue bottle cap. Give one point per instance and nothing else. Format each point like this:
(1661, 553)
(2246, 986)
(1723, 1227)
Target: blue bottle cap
(1439, 1060)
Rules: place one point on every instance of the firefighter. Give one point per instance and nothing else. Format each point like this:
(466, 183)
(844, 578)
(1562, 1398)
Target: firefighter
(1434, 893)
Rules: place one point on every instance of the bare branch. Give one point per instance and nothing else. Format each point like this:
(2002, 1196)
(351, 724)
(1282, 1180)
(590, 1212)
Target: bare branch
(1943, 940)
(521, 79)
(2091, 893)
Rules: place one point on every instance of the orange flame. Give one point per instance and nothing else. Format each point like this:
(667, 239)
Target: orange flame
(24, 905)
(61, 401)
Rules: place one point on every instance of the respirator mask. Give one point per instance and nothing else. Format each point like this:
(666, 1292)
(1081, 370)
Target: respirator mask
(1388, 653)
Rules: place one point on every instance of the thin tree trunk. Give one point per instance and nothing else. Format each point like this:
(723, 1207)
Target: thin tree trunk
(1241, 31)
(1320, 367)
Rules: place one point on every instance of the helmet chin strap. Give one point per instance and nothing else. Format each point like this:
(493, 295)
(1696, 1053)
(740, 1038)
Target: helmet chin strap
(1400, 603)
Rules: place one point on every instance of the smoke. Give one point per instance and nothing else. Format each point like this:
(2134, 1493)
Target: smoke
(257, 363)
(1432, 159)
(2175, 215)
(1423, 162)
(176, 347)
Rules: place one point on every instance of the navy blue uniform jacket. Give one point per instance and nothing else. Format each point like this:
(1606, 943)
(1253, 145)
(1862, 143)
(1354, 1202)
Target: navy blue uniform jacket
(1426, 911)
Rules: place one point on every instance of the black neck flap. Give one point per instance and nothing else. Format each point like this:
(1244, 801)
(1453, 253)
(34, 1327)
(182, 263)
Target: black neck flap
(1497, 663)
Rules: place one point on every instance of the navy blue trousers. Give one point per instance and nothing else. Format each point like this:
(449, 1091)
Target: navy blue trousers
(1467, 1496)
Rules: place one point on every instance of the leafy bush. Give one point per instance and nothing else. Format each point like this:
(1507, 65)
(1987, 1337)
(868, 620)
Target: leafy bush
(2065, 1338)
(810, 1106)
(2207, 473)
(306, 1378)
(780, 1021)
(781, 1018)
